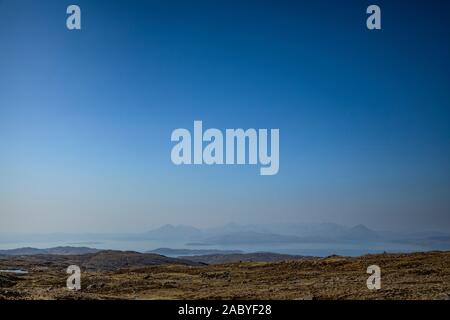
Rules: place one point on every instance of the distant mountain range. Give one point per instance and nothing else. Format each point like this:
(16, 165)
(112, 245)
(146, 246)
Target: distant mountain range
(252, 234)
(56, 251)
(237, 235)
(105, 260)
(109, 260)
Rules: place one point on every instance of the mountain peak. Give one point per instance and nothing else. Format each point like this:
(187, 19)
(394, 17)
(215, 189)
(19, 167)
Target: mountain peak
(361, 232)
(360, 227)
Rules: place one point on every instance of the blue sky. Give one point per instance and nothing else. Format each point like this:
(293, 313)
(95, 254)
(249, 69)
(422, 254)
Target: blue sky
(86, 116)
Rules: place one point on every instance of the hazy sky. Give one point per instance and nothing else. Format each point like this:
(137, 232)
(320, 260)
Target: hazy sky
(86, 116)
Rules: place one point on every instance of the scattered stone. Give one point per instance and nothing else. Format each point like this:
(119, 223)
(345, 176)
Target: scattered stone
(442, 296)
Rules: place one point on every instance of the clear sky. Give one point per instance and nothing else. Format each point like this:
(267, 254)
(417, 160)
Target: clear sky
(86, 116)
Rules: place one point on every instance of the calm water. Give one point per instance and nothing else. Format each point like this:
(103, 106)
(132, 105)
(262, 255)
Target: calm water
(16, 271)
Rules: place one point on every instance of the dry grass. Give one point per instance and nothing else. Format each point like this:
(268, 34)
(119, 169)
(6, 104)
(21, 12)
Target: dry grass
(404, 276)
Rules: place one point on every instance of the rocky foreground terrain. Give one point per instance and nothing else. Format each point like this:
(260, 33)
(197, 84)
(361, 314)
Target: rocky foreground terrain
(130, 275)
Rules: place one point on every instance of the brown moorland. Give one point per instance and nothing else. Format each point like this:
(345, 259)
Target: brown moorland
(119, 275)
